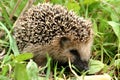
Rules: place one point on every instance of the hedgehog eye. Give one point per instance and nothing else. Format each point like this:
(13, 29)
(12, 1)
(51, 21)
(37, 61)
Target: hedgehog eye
(74, 52)
(64, 41)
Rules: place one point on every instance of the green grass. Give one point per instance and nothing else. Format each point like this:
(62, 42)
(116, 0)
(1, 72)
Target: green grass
(105, 15)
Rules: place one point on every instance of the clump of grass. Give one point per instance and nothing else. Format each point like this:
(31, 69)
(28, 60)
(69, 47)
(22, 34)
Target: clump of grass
(105, 51)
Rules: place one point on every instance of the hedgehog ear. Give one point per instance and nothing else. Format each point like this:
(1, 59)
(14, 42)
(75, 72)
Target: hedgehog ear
(64, 42)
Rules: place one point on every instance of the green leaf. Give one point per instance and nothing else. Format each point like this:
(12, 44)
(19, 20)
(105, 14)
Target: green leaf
(116, 28)
(3, 77)
(95, 66)
(57, 1)
(73, 5)
(5, 69)
(20, 8)
(114, 16)
(32, 70)
(24, 56)
(20, 72)
(117, 63)
(48, 67)
(3, 42)
(90, 1)
(13, 45)
(95, 28)
(5, 15)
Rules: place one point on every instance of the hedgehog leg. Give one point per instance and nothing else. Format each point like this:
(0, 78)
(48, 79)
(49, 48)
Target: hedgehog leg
(40, 60)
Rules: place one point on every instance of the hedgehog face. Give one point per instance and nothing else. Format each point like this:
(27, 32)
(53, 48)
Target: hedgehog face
(79, 53)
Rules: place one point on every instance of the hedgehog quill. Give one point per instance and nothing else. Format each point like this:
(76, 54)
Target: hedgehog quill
(52, 29)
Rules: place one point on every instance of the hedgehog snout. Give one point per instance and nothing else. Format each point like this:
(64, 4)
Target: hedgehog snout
(81, 65)
(78, 63)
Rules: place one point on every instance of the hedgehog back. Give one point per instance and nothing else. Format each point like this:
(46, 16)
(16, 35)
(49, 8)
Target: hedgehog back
(41, 23)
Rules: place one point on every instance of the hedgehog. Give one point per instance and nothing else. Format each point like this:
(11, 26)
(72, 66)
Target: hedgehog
(56, 31)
